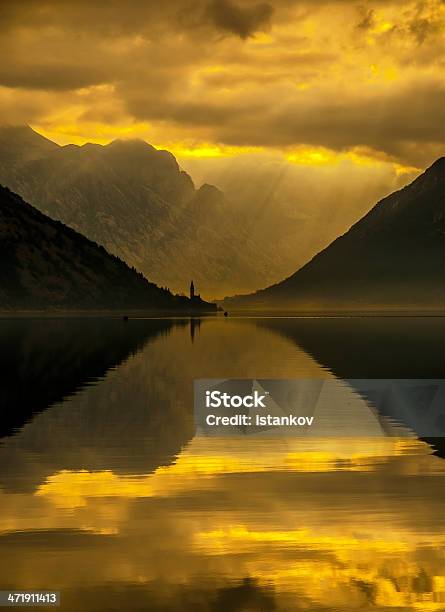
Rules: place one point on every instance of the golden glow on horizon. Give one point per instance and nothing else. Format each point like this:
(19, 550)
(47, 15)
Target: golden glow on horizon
(98, 133)
(203, 151)
(103, 134)
(320, 156)
(321, 77)
(302, 155)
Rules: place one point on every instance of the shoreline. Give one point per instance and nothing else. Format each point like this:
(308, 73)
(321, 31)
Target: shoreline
(111, 314)
(174, 314)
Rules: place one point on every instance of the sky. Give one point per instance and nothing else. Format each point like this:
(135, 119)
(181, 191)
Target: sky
(304, 112)
(314, 83)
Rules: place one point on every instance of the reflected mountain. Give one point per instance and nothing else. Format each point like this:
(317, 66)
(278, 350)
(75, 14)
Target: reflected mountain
(369, 347)
(44, 361)
(117, 398)
(139, 414)
(372, 348)
(73, 396)
(247, 523)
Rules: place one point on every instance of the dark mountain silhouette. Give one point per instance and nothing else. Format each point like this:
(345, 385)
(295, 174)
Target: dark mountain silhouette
(44, 362)
(408, 348)
(44, 264)
(368, 347)
(136, 202)
(393, 258)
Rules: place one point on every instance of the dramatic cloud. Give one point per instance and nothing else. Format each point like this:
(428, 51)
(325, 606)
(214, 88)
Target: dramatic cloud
(231, 73)
(243, 21)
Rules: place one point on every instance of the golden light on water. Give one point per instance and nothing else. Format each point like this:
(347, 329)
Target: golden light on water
(333, 523)
(299, 551)
(205, 459)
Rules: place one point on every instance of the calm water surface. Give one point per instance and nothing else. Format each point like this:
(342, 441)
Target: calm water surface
(107, 495)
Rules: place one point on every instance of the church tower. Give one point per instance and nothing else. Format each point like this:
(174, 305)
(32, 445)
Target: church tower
(192, 291)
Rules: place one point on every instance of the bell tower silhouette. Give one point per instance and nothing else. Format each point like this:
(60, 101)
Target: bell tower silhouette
(192, 291)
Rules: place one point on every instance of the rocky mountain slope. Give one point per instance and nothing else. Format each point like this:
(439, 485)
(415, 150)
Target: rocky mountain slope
(393, 258)
(44, 264)
(135, 201)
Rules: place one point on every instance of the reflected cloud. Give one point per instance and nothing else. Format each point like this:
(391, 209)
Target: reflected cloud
(276, 523)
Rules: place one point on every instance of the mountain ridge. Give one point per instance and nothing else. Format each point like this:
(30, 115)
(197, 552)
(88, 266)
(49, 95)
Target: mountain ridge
(45, 264)
(390, 258)
(137, 202)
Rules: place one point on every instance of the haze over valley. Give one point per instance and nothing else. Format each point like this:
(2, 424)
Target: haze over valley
(137, 202)
(229, 143)
(391, 259)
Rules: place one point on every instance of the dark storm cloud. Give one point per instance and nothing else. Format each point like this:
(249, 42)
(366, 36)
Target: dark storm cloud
(385, 123)
(240, 20)
(56, 77)
(239, 17)
(62, 44)
(239, 72)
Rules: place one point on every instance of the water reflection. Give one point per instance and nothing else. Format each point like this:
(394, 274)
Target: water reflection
(367, 347)
(44, 361)
(118, 416)
(109, 497)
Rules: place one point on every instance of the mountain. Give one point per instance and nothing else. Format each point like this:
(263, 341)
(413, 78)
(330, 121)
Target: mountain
(136, 202)
(19, 144)
(44, 264)
(393, 258)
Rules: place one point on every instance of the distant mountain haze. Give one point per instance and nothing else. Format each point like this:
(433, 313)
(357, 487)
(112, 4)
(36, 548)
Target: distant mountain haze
(135, 201)
(294, 210)
(46, 265)
(393, 258)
